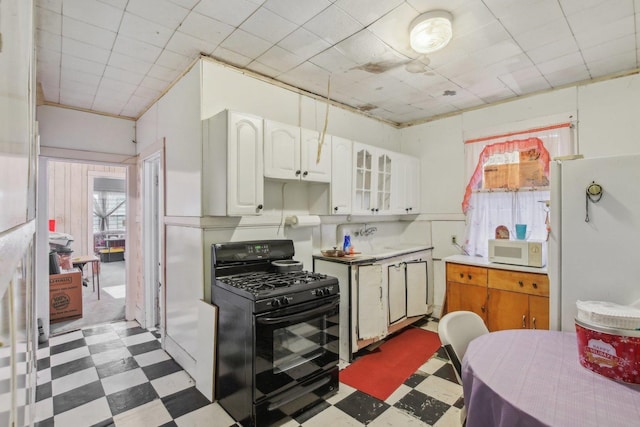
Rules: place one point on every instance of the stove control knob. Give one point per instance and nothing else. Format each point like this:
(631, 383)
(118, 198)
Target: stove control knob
(284, 301)
(275, 303)
(319, 292)
(327, 291)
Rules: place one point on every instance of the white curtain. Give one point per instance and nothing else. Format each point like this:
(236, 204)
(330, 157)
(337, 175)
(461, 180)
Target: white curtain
(490, 209)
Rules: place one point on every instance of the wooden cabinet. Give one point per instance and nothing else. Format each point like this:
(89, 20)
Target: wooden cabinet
(233, 165)
(505, 299)
(292, 153)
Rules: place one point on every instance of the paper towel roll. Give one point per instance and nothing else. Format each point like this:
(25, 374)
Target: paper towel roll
(297, 221)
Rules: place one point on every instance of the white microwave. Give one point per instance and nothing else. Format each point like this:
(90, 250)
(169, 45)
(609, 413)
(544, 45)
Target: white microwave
(530, 253)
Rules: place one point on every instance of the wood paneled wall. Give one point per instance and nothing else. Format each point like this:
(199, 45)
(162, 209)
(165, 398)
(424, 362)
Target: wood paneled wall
(69, 200)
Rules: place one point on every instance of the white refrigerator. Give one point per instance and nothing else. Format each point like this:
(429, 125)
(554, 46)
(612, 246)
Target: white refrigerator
(594, 252)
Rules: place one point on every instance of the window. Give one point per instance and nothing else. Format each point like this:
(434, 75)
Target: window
(109, 208)
(508, 183)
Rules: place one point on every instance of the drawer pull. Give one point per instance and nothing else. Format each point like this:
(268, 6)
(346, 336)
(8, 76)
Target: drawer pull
(461, 275)
(469, 276)
(535, 286)
(483, 308)
(534, 323)
(524, 321)
(520, 283)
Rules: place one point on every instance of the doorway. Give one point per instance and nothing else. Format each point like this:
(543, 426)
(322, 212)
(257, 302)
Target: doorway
(152, 208)
(87, 205)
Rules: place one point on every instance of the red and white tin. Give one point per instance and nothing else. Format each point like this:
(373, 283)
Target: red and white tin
(609, 351)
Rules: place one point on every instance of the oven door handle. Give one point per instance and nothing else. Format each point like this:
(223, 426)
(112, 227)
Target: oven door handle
(299, 316)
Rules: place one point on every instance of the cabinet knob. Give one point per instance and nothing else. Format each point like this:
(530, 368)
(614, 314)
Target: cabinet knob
(461, 275)
(335, 209)
(535, 286)
(372, 210)
(524, 321)
(376, 209)
(469, 276)
(259, 207)
(520, 283)
(410, 209)
(298, 172)
(407, 210)
(483, 308)
(305, 173)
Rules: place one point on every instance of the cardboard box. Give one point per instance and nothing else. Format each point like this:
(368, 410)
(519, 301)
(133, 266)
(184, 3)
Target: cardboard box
(65, 296)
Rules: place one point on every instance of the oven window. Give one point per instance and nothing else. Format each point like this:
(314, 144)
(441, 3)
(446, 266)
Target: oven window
(298, 344)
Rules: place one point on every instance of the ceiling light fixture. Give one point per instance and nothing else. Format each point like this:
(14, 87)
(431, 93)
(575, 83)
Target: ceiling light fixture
(430, 31)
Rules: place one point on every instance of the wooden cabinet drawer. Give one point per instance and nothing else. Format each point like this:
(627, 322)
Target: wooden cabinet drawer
(529, 283)
(466, 274)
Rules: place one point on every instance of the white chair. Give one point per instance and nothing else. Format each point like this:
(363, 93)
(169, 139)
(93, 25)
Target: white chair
(456, 330)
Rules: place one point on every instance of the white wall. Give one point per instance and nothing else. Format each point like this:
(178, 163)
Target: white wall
(78, 130)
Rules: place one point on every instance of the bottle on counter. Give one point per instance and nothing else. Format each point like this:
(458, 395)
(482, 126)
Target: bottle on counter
(346, 245)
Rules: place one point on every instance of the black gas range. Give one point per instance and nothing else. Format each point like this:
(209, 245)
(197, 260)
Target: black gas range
(278, 332)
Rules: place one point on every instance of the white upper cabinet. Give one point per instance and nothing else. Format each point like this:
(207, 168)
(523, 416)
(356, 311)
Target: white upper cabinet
(315, 156)
(372, 179)
(292, 153)
(341, 175)
(233, 165)
(405, 189)
(281, 150)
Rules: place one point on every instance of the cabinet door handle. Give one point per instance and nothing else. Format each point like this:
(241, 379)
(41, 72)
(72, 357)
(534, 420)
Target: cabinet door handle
(535, 286)
(305, 173)
(380, 293)
(461, 275)
(259, 207)
(372, 210)
(376, 209)
(524, 321)
(298, 172)
(483, 308)
(469, 276)
(533, 321)
(335, 209)
(520, 283)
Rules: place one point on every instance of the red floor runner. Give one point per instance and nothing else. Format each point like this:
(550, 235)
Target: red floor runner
(380, 373)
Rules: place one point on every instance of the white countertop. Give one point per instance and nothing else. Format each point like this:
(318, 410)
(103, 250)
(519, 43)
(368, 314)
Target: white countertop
(484, 262)
(377, 255)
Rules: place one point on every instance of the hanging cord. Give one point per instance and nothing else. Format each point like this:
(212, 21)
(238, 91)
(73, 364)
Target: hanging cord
(281, 210)
(326, 121)
(594, 193)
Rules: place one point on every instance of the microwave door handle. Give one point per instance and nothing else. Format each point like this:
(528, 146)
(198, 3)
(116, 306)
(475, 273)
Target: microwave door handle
(299, 316)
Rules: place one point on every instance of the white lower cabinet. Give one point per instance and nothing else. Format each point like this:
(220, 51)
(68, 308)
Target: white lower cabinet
(397, 292)
(407, 288)
(371, 302)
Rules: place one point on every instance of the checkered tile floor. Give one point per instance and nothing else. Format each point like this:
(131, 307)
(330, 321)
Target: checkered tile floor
(118, 375)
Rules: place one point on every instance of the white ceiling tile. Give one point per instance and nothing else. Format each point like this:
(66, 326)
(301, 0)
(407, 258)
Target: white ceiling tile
(77, 86)
(136, 49)
(123, 89)
(520, 81)
(52, 5)
(50, 84)
(76, 100)
(145, 31)
(296, 11)
(303, 43)
(535, 84)
(364, 47)
(205, 28)
(85, 51)
(367, 11)
(94, 12)
(548, 33)
(246, 44)
(333, 60)
(524, 17)
(333, 25)
(562, 63)
(470, 17)
(606, 12)
(120, 4)
(83, 65)
(146, 92)
(279, 59)
(174, 61)
(608, 31)
(481, 38)
(393, 28)
(571, 7)
(232, 12)
(496, 53)
(231, 57)
(263, 69)
(161, 12)
(613, 63)
(46, 40)
(189, 4)
(567, 75)
(268, 26)
(553, 50)
(614, 47)
(128, 63)
(123, 75)
(304, 74)
(163, 73)
(49, 57)
(48, 21)
(153, 83)
(107, 105)
(71, 75)
(87, 33)
(189, 46)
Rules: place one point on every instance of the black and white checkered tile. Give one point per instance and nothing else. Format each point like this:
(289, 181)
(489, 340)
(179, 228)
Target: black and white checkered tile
(118, 375)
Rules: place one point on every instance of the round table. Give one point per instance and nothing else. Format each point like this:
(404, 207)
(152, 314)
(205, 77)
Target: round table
(533, 378)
